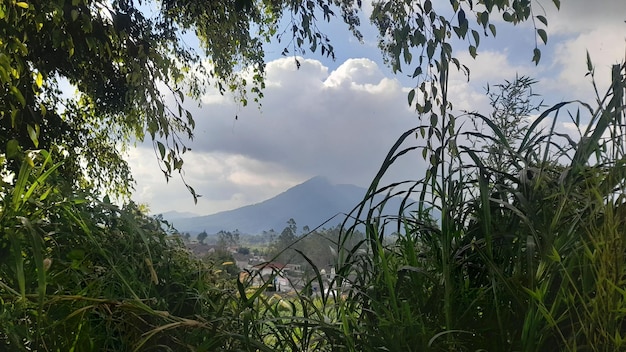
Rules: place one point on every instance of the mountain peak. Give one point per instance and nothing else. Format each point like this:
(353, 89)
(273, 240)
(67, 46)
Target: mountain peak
(310, 203)
(318, 180)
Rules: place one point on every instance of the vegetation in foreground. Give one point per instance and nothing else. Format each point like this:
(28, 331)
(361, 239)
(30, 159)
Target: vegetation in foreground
(527, 253)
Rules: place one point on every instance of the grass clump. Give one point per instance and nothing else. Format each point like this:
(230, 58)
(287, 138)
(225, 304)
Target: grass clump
(84, 275)
(522, 253)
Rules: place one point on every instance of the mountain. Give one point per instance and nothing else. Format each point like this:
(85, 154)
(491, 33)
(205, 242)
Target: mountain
(177, 215)
(310, 203)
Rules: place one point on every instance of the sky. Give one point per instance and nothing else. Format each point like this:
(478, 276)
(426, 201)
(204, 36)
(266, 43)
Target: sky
(339, 118)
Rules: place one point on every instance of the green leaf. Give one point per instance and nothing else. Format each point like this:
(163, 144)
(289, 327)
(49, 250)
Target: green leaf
(455, 5)
(457, 30)
(589, 63)
(536, 56)
(39, 80)
(13, 149)
(411, 96)
(22, 4)
(161, 149)
(417, 72)
(434, 120)
(18, 95)
(476, 37)
(461, 17)
(484, 18)
(492, 28)
(33, 133)
(557, 3)
(543, 20)
(428, 6)
(178, 164)
(542, 34)
(430, 49)
(472, 51)
(407, 56)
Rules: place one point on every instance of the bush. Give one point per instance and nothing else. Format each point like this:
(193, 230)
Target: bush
(81, 274)
(524, 254)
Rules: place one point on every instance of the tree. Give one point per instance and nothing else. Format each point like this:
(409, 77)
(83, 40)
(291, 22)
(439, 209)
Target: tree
(227, 239)
(288, 234)
(132, 71)
(202, 236)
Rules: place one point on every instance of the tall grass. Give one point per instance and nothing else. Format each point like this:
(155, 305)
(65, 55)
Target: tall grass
(78, 274)
(527, 257)
(81, 274)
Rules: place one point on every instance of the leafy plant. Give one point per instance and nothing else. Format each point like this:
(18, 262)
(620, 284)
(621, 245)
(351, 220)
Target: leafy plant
(82, 274)
(520, 258)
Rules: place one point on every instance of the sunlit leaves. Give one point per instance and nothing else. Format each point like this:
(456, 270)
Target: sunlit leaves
(133, 72)
(39, 80)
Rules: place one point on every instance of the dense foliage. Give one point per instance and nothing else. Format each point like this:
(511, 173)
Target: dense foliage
(132, 68)
(527, 254)
(79, 274)
(522, 250)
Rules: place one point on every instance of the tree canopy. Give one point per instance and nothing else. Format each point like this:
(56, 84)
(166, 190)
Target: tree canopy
(132, 68)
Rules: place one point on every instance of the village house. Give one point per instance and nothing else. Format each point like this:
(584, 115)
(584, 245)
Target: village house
(262, 273)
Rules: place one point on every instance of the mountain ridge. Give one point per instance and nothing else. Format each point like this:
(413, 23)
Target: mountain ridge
(310, 203)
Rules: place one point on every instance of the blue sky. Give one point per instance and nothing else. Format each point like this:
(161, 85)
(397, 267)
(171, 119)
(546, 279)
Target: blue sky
(339, 118)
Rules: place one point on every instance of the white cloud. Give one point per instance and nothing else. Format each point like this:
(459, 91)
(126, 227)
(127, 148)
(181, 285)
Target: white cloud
(491, 66)
(581, 16)
(355, 72)
(223, 181)
(339, 124)
(606, 46)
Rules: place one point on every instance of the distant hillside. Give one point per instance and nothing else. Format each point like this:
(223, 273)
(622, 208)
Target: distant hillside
(177, 215)
(310, 203)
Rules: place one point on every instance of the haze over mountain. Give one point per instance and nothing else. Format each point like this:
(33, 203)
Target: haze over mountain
(176, 215)
(310, 203)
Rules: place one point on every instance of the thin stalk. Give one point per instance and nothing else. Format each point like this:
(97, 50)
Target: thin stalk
(446, 228)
